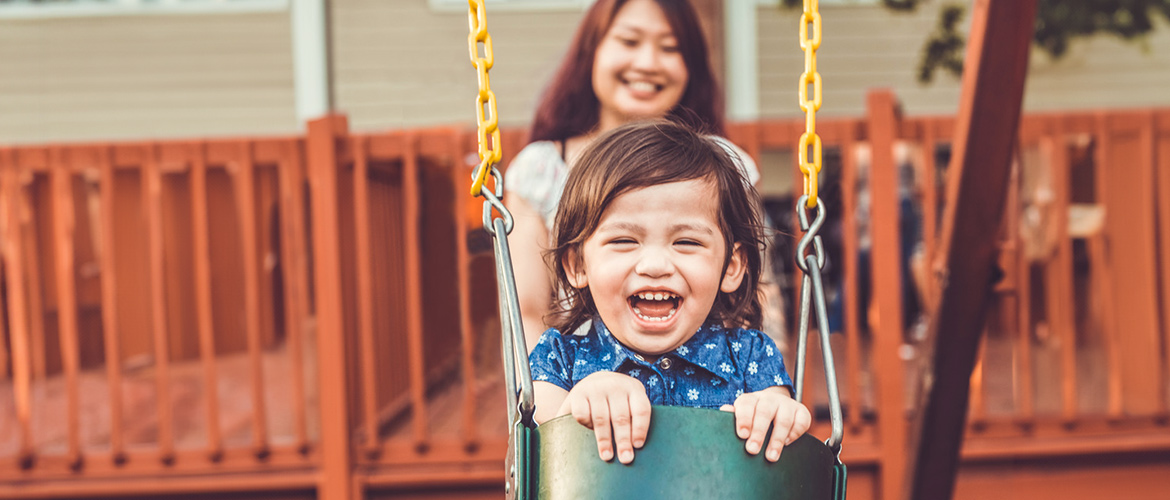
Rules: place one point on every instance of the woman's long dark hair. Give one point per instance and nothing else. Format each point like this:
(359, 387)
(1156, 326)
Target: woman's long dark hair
(568, 107)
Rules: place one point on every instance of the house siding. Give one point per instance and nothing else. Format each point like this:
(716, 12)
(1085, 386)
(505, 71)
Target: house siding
(145, 76)
(869, 47)
(403, 64)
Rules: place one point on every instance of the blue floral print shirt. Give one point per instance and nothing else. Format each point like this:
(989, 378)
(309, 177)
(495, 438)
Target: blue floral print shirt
(710, 370)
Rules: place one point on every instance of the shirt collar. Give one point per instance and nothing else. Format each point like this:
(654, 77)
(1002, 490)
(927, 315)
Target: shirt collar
(704, 349)
(618, 353)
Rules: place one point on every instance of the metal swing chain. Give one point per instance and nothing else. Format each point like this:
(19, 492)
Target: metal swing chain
(490, 153)
(812, 292)
(517, 374)
(811, 16)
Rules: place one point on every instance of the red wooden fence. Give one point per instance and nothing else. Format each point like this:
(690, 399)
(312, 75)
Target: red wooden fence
(316, 316)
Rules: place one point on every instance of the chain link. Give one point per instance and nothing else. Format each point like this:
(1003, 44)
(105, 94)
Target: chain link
(490, 152)
(809, 138)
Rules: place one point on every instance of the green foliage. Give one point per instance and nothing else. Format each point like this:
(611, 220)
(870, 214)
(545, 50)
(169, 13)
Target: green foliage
(1058, 22)
(944, 48)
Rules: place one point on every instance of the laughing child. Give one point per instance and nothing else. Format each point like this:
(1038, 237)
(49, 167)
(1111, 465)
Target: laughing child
(657, 253)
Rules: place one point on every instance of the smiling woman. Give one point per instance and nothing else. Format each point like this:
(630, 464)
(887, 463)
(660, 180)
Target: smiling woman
(630, 60)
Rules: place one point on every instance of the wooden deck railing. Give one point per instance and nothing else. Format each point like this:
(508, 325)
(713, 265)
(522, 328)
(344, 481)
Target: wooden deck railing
(316, 315)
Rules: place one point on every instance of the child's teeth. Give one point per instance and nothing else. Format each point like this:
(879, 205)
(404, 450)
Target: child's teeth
(650, 318)
(655, 295)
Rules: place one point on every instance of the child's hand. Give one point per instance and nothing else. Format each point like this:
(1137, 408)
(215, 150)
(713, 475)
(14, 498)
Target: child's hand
(755, 411)
(608, 400)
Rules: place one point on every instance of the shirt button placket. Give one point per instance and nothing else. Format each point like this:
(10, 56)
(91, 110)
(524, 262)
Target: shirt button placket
(665, 363)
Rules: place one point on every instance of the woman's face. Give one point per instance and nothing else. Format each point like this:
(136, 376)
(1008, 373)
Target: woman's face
(638, 72)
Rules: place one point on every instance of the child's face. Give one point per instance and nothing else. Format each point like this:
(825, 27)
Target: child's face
(654, 265)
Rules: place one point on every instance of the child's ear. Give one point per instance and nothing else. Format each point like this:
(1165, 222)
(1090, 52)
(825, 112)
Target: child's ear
(736, 267)
(575, 269)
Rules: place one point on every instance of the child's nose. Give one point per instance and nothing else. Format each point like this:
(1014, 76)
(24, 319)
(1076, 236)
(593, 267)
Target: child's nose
(654, 264)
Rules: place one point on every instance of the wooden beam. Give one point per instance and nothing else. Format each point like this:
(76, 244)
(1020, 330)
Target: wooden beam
(989, 111)
(885, 267)
(335, 480)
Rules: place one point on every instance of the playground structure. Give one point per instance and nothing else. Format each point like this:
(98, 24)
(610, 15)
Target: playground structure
(397, 389)
(335, 282)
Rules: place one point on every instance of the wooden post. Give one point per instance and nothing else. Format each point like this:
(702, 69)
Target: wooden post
(336, 456)
(885, 265)
(985, 131)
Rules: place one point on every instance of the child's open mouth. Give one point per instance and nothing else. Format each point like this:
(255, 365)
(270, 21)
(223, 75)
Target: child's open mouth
(655, 306)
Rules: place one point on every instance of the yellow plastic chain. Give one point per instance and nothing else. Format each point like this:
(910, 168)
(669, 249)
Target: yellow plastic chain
(489, 152)
(812, 170)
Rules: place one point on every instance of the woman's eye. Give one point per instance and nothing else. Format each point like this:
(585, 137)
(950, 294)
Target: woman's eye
(628, 42)
(670, 49)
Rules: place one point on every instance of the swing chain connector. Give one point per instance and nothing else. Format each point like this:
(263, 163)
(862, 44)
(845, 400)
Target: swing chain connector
(811, 233)
(493, 201)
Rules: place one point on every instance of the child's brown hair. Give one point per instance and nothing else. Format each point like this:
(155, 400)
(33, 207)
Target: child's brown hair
(648, 154)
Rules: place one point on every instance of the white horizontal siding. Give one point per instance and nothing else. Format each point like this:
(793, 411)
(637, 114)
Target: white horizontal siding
(868, 47)
(145, 76)
(403, 64)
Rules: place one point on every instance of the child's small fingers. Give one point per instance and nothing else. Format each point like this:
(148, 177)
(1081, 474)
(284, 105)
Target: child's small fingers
(761, 420)
(780, 437)
(620, 420)
(640, 418)
(727, 408)
(601, 429)
(745, 410)
(579, 408)
(801, 422)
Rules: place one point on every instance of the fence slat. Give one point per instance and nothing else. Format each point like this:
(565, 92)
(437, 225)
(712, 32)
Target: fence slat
(361, 213)
(32, 272)
(204, 312)
(463, 276)
(295, 281)
(246, 210)
(1023, 292)
(1060, 271)
(850, 252)
(111, 333)
(1162, 195)
(412, 241)
(63, 224)
(152, 199)
(17, 314)
(977, 415)
(929, 183)
(1102, 267)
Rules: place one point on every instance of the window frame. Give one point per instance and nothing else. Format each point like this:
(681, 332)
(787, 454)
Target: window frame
(27, 9)
(512, 5)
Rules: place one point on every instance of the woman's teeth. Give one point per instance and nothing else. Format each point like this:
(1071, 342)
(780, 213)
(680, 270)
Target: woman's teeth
(643, 86)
